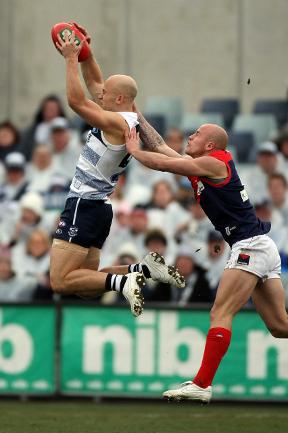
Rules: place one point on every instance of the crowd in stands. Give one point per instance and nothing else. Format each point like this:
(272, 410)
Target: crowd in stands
(153, 211)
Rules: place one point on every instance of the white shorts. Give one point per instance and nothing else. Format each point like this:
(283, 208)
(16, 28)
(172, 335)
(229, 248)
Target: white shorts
(258, 255)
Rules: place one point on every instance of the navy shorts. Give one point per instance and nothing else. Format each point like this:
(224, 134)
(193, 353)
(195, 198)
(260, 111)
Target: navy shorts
(85, 222)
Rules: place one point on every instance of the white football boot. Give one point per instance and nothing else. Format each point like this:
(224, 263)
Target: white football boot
(132, 292)
(189, 391)
(161, 272)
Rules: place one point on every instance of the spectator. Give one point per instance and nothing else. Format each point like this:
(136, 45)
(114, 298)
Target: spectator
(216, 258)
(66, 149)
(9, 139)
(119, 232)
(138, 227)
(11, 190)
(256, 181)
(174, 139)
(197, 288)
(134, 235)
(277, 186)
(184, 193)
(155, 240)
(15, 183)
(39, 131)
(55, 197)
(278, 232)
(13, 288)
(163, 210)
(195, 231)
(41, 169)
(282, 143)
(32, 258)
(121, 220)
(28, 217)
(140, 181)
(155, 291)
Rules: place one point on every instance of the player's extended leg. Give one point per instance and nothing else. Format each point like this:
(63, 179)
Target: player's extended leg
(91, 262)
(68, 276)
(269, 301)
(67, 273)
(92, 259)
(152, 266)
(235, 288)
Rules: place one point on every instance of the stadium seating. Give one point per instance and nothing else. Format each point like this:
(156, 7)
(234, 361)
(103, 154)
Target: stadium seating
(169, 106)
(262, 126)
(192, 121)
(227, 107)
(243, 145)
(277, 107)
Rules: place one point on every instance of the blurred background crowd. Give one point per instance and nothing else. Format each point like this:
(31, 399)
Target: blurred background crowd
(153, 211)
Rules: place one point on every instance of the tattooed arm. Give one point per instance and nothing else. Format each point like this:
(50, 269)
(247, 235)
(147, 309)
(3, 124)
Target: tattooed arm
(152, 140)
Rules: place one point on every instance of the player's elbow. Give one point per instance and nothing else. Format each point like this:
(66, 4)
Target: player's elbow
(76, 102)
(73, 103)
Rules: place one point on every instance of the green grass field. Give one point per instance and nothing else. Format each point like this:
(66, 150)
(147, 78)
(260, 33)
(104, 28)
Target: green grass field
(134, 417)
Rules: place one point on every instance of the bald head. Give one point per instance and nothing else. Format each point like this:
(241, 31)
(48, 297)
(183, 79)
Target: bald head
(124, 85)
(216, 135)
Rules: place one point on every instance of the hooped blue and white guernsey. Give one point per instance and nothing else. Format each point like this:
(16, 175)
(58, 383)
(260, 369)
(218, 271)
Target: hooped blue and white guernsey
(100, 164)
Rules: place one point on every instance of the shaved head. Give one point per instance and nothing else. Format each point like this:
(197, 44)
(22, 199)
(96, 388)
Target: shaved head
(205, 139)
(124, 85)
(216, 135)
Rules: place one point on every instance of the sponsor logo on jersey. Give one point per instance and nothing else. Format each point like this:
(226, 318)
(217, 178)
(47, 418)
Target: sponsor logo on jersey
(73, 231)
(77, 183)
(244, 195)
(228, 230)
(243, 259)
(200, 187)
(59, 232)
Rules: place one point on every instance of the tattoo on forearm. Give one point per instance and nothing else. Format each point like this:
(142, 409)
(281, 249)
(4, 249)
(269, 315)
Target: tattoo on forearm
(148, 135)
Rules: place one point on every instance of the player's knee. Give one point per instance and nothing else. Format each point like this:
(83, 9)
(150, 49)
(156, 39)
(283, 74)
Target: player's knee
(57, 284)
(215, 313)
(280, 331)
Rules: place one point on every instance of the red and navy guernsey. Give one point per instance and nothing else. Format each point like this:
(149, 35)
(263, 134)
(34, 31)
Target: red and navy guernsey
(226, 203)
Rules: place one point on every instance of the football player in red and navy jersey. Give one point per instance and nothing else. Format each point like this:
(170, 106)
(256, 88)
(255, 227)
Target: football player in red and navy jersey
(254, 266)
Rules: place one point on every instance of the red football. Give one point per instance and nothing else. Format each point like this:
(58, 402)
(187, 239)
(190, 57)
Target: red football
(61, 28)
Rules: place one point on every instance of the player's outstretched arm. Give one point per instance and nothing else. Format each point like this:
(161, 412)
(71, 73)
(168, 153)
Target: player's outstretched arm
(152, 140)
(91, 70)
(90, 111)
(203, 166)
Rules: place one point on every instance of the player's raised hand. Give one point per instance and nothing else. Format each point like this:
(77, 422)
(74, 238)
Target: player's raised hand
(70, 47)
(132, 141)
(82, 30)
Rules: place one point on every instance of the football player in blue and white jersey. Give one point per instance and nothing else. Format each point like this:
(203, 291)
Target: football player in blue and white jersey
(85, 222)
